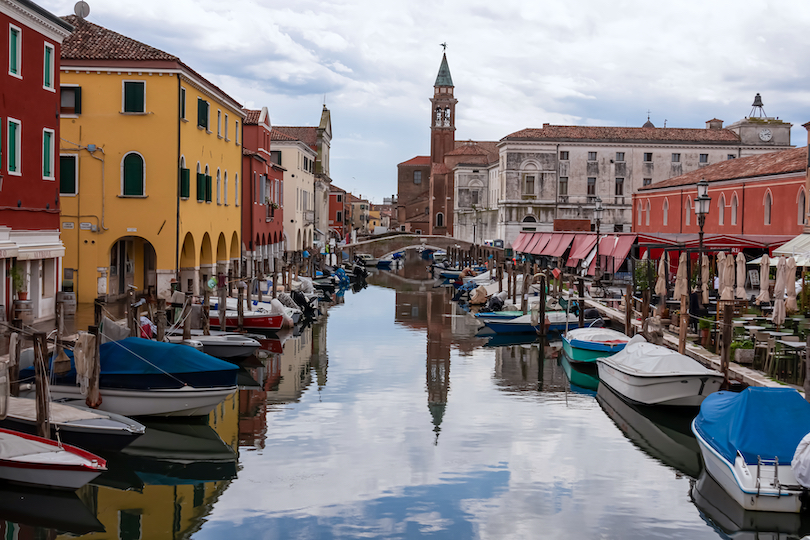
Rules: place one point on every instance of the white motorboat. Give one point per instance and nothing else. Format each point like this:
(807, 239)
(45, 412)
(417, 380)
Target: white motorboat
(28, 459)
(368, 260)
(77, 426)
(224, 345)
(751, 445)
(655, 375)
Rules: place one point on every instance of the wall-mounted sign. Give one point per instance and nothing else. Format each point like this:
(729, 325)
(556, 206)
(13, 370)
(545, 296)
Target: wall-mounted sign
(86, 226)
(68, 224)
(132, 229)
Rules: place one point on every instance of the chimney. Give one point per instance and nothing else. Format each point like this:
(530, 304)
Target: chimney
(714, 123)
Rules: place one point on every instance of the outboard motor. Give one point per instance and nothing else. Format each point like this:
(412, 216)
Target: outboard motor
(495, 303)
(302, 302)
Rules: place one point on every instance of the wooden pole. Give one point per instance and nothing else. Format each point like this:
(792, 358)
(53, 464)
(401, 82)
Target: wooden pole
(161, 319)
(683, 323)
(14, 363)
(542, 307)
(581, 301)
(133, 330)
(727, 316)
(97, 311)
(645, 305)
(41, 375)
(222, 306)
(628, 311)
(206, 312)
(240, 309)
(230, 282)
(187, 317)
(524, 290)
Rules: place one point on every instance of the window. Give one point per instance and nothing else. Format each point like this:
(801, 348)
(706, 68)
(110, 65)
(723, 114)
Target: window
(339, 216)
(236, 194)
(619, 187)
(704, 158)
(47, 64)
(474, 196)
(440, 220)
(134, 96)
(768, 204)
(646, 182)
(676, 158)
(207, 185)
(619, 156)
(129, 525)
(528, 184)
(417, 177)
(339, 197)
(648, 157)
(721, 210)
(70, 100)
(219, 124)
(647, 219)
(564, 155)
(275, 157)
(200, 184)
(132, 172)
(219, 187)
(185, 180)
(688, 210)
(225, 189)
(182, 102)
(202, 114)
(236, 131)
(591, 156)
(591, 186)
(639, 213)
(68, 172)
(802, 208)
(734, 209)
(731, 156)
(563, 186)
(14, 51)
(226, 127)
(666, 212)
(14, 141)
(48, 154)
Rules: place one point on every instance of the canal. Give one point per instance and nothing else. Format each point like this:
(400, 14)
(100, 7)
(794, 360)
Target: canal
(389, 418)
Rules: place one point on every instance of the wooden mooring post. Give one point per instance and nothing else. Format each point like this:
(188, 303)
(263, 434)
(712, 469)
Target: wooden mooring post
(240, 309)
(206, 312)
(683, 324)
(41, 376)
(161, 319)
(542, 308)
(187, 317)
(223, 308)
(581, 301)
(628, 311)
(728, 314)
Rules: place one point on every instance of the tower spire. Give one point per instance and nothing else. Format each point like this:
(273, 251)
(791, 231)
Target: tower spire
(444, 78)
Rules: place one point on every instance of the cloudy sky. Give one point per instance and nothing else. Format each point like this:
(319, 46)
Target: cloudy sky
(515, 64)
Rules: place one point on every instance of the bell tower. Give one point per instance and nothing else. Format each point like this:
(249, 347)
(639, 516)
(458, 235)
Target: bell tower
(442, 114)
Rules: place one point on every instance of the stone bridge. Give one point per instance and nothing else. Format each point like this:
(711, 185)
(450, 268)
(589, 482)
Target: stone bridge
(383, 246)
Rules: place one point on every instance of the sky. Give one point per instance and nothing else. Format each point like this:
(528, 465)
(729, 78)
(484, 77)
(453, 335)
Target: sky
(515, 64)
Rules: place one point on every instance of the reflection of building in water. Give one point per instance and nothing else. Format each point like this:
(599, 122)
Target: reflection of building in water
(320, 357)
(176, 495)
(518, 369)
(294, 369)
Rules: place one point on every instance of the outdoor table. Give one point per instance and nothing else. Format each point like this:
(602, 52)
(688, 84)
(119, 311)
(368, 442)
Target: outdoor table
(796, 345)
(774, 333)
(752, 328)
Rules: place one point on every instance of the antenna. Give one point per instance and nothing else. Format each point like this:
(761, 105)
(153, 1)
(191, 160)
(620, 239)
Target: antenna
(81, 9)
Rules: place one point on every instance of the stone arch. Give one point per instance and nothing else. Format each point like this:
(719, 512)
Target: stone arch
(298, 240)
(206, 253)
(133, 263)
(188, 264)
(529, 218)
(235, 246)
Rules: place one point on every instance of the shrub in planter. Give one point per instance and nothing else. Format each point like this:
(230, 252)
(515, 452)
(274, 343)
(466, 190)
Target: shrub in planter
(742, 352)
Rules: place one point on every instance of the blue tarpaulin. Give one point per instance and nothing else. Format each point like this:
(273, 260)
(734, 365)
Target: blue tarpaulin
(764, 422)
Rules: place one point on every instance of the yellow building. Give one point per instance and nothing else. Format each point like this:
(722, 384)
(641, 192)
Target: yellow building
(150, 159)
(373, 220)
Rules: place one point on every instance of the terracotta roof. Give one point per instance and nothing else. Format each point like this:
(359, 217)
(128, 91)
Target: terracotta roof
(439, 168)
(307, 135)
(714, 120)
(246, 152)
(251, 117)
(625, 134)
(333, 188)
(418, 160)
(276, 135)
(781, 162)
(92, 42)
(478, 152)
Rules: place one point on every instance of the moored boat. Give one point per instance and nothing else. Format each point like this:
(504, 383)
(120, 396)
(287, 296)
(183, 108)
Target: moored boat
(32, 460)
(580, 374)
(252, 320)
(224, 345)
(654, 375)
(588, 344)
(556, 321)
(748, 441)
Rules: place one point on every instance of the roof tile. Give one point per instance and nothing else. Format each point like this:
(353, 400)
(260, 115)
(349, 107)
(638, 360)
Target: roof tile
(251, 116)
(625, 133)
(92, 42)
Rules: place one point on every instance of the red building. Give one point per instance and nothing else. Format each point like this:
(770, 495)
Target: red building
(758, 202)
(262, 196)
(337, 212)
(29, 155)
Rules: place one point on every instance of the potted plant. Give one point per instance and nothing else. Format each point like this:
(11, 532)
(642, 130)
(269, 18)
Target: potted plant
(743, 352)
(18, 282)
(704, 326)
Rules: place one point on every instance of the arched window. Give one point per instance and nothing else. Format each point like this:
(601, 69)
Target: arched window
(768, 203)
(666, 211)
(207, 184)
(529, 219)
(236, 196)
(721, 209)
(200, 184)
(647, 220)
(185, 186)
(688, 210)
(219, 187)
(802, 207)
(734, 209)
(440, 219)
(132, 173)
(225, 189)
(639, 213)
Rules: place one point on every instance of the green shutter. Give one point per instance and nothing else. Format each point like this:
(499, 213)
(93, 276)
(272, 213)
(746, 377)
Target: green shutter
(207, 188)
(182, 102)
(133, 97)
(46, 154)
(48, 52)
(200, 187)
(13, 44)
(202, 113)
(77, 95)
(12, 147)
(133, 175)
(185, 188)
(67, 175)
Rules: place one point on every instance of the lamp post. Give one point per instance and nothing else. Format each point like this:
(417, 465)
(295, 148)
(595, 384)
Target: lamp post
(597, 213)
(701, 209)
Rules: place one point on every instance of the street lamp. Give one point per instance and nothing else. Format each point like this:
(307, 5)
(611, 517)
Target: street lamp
(597, 213)
(701, 209)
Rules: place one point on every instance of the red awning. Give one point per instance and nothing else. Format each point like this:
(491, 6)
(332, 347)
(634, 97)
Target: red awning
(521, 241)
(623, 246)
(613, 250)
(562, 244)
(541, 243)
(527, 247)
(606, 245)
(551, 245)
(582, 246)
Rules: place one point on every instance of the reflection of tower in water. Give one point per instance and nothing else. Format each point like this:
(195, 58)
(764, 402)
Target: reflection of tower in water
(438, 359)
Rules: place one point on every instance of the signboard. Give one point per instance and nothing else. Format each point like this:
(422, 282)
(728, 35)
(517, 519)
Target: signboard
(753, 278)
(68, 225)
(86, 226)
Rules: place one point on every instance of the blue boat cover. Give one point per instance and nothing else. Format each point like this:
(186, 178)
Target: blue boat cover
(143, 363)
(764, 422)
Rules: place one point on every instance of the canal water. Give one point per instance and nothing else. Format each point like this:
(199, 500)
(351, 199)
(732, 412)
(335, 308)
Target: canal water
(390, 418)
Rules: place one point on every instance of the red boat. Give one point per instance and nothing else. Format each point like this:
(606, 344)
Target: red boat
(252, 320)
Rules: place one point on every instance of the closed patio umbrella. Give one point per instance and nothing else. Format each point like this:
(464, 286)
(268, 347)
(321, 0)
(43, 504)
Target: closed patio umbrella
(740, 291)
(790, 285)
(779, 292)
(704, 278)
(727, 283)
(681, 281)
(661, 283)
(721, 275)
(764, 278)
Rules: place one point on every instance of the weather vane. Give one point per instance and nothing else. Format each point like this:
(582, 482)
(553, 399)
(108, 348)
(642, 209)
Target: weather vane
(444, 46)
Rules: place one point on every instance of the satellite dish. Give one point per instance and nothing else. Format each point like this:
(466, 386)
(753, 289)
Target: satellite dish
(212, 283)
(81, 9)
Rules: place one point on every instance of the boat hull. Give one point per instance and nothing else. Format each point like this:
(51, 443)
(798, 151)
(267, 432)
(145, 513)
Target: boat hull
(687, 390)
(587, 351)
(254, 322)
(579, 375)
(739, 481)
(77, 435)
(186, 401)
